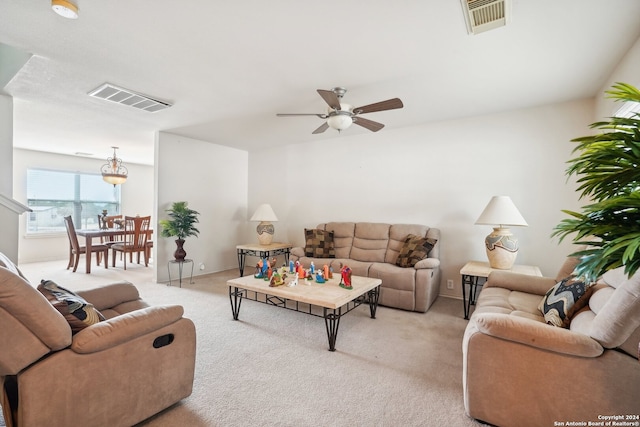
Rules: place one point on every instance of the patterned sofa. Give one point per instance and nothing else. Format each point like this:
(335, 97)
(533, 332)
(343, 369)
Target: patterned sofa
(373, 250)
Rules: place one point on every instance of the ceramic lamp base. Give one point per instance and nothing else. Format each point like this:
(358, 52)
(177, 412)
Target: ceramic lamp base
(265, 232)
(502, 248)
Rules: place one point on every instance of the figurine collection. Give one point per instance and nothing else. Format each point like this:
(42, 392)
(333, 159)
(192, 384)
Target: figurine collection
(266, 270)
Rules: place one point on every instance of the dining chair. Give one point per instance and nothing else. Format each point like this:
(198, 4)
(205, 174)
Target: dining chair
(75, 249)
(136, 231)
(112, 221)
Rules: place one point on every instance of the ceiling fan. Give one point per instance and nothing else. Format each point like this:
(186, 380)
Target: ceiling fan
(340, 116)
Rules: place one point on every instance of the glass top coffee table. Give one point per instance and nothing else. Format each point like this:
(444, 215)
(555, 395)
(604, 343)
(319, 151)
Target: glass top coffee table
(327, 300)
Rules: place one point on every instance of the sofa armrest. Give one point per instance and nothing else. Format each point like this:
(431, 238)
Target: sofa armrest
(297, 251)
(109, 296)
(520, 282)
(537, 334)
(125, 327)
(427, 263)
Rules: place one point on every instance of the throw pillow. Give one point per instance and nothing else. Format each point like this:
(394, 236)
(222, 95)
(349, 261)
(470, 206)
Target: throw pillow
(75, 309)
(414, 249)
(319, 244)
(564, 300)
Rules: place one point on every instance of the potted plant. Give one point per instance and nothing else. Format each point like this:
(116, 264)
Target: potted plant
(607, 168)
(180, 225)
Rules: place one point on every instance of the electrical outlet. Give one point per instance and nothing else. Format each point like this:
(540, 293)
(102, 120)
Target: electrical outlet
(202, 266)
(449, 284)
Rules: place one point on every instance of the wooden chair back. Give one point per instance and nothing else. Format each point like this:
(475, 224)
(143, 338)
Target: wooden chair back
(108, 220)
(136, 232)
(71, 233)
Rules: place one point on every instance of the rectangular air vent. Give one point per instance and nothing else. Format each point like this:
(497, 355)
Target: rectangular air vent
(128, 97)
(484, 15)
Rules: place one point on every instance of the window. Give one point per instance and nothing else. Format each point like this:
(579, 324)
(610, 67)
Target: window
(55, 194)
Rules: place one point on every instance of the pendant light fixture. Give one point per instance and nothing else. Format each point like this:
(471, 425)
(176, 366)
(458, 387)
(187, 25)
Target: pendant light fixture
(65, 8)
(113, 171)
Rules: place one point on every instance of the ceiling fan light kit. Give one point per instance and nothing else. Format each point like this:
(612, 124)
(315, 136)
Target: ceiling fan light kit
(339, 121)
(341, 116)
(65, 8)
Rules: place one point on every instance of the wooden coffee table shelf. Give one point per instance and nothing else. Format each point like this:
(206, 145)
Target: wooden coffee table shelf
(327, 300)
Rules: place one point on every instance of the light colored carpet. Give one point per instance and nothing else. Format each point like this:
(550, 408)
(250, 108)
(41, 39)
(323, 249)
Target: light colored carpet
(273, 367)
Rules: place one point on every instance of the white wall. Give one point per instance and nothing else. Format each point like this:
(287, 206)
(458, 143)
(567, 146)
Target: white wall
(627, 71)
(439, 174)
(136, 193)
(8, 218)
(213, 180)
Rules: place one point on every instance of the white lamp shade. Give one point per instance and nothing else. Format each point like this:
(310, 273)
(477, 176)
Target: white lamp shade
(264, 213)
(501, 211)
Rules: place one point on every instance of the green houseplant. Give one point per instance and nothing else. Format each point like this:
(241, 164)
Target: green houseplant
(180, 225)
(607, 167)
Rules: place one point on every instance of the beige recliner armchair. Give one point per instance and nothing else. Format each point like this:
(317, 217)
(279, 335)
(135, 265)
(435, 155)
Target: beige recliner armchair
(116, 372)
(520, 371)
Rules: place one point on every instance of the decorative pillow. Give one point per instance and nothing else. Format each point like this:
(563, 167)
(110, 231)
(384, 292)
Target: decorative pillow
(319, 243)
(414, 249)
(75, 309)
(564, 300)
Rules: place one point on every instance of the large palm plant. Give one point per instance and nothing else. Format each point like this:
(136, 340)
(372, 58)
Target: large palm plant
(182, 221)
(607, 168)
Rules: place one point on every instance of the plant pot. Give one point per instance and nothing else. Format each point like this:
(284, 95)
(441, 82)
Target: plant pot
(180, 253)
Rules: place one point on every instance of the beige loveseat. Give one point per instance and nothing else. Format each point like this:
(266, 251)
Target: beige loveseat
(520, 371)
(371, 250)
(116, 372)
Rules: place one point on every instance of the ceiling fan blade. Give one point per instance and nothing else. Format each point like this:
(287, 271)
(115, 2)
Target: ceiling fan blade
(368, 124)
(330, 98)
(389, 104)
(321, 129)
(322, 116)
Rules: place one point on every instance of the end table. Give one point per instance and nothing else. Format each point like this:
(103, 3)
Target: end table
(262, 251)
(475, 274)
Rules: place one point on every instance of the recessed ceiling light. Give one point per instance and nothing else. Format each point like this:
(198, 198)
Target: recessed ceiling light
(65, 8)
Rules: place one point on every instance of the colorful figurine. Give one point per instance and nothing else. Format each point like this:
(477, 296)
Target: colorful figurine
(262, 269)
(312, 268)
(319, 277)
(277, 279)
(294, 282)
(291, 266)
(301, 271)
(345, 279)
(325, 270)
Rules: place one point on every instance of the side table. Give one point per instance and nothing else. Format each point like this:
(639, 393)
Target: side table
(180, 267)
(475, 274)
(262, 251)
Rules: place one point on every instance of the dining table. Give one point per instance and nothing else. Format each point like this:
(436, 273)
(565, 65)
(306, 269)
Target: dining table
(90, 234)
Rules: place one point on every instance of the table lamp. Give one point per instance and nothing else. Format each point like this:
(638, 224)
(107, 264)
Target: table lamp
(501, 245)
(265, 229)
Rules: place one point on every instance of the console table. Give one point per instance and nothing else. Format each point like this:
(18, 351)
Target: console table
(475, 274)
(262, 251)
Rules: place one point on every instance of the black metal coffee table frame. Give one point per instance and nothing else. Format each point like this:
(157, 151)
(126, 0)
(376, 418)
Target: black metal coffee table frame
(331, 316)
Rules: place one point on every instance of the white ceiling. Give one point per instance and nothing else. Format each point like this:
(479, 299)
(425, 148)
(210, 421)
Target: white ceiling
(229, 66)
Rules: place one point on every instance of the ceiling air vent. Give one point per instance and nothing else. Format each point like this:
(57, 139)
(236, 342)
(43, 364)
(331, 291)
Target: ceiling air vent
(128, 97)
(484, 15)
